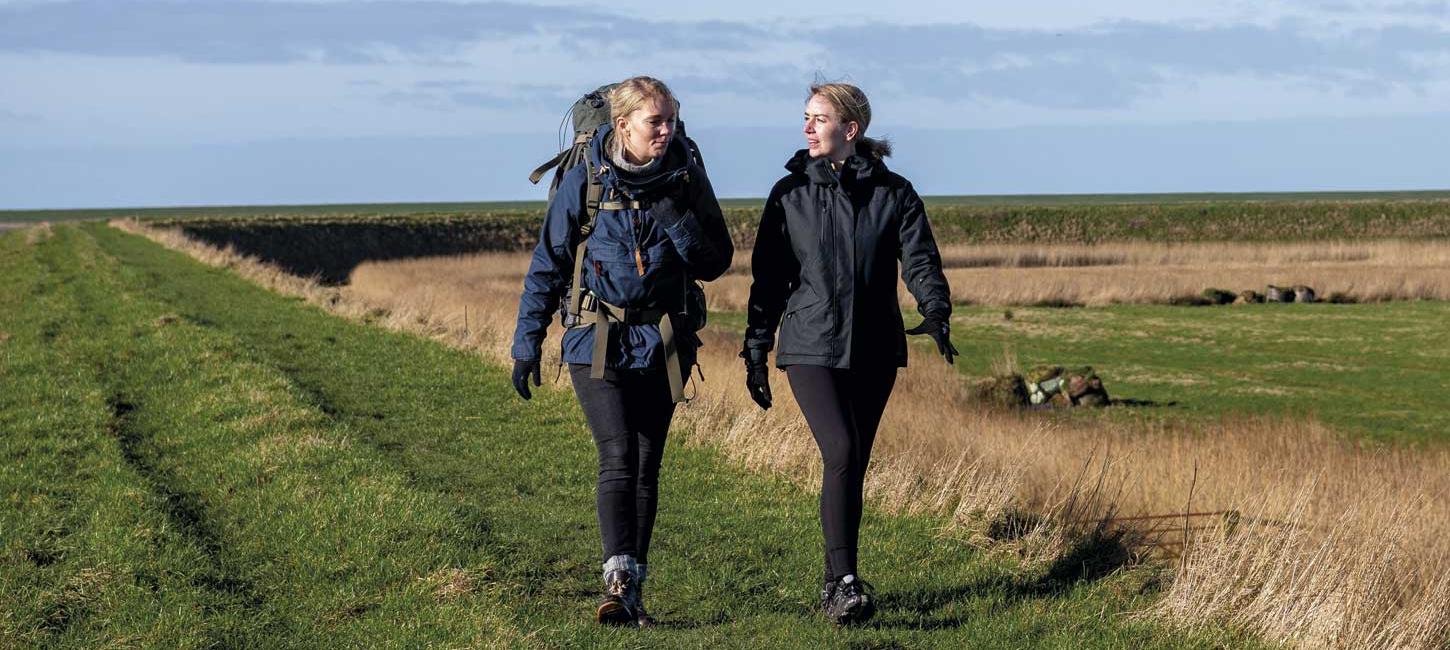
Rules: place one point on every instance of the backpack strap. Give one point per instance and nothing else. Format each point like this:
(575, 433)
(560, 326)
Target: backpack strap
(538, 173)
(602, 316)
(579, 141)
(593, 193)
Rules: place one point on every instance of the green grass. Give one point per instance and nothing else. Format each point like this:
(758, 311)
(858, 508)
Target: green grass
(191, 461)
(380, 209)
(1372, 371)
(268, 211)
(1066, 218)
(1179, 197)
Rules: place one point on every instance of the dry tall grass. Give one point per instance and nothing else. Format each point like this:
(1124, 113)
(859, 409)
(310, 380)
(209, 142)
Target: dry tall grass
(37, 233)
(1157, 273)
(1331, 545)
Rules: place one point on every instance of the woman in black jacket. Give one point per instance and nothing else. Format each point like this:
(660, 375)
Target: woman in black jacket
(824, 268)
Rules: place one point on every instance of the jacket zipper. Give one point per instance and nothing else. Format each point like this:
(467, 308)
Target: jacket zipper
(829, 214)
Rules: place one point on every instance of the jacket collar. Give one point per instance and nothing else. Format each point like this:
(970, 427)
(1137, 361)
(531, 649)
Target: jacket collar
(677, 161)
(859, 167)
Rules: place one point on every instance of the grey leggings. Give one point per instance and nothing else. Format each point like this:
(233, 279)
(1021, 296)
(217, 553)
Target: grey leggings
(843, 408)
(629, 414)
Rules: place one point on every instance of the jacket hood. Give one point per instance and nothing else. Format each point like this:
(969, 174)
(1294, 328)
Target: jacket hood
(676, 164)
(859, 166)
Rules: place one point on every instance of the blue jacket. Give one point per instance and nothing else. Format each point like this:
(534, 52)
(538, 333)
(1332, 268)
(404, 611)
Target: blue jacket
(680, 234)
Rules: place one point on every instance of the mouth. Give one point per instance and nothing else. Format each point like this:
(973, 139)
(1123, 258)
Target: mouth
(813, 144)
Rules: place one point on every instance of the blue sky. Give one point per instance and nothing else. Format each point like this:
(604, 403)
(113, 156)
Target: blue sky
(155, 102)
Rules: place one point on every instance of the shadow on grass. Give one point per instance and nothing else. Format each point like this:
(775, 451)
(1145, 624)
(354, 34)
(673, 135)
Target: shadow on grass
(1142, 403)
(1093, 558)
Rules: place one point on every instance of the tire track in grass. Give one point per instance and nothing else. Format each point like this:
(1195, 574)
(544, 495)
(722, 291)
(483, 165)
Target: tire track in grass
(87, 557)
(184, 510)
(736, 557)
(108, 323)
(339, 550)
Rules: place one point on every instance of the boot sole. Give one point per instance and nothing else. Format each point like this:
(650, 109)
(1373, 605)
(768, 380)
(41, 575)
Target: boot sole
(614, 613)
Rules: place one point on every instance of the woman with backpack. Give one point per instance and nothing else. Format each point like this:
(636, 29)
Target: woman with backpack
(824, 266)
(627, 233)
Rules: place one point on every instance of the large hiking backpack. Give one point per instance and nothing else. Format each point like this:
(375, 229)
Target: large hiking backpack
(589, 114)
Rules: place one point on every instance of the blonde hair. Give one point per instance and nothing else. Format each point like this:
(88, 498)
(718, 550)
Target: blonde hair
(851, 103)
(629, 95)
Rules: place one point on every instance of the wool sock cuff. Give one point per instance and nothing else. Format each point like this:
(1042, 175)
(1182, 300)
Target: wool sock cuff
(621, 563)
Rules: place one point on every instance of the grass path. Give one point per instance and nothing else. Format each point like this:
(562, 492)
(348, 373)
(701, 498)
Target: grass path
(191, 461)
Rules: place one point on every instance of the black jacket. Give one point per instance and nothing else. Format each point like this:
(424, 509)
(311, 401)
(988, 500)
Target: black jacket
(826, 257)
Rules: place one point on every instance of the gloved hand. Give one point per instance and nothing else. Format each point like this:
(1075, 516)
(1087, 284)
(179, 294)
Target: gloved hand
(672, 204)
(939, 330)
(757, 376)
(522, 369)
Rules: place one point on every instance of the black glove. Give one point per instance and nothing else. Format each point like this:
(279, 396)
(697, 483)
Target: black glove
(522, 369)
(940, 331)
(672, 204)
(757, 376)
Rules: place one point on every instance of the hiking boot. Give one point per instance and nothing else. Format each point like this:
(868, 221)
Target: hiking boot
(848, 601)
(620, 594)
(642, 618)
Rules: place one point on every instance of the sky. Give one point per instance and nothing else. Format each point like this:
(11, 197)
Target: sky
(212, 102)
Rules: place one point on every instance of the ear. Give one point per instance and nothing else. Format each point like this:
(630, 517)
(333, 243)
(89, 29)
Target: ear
(620, 122)
(853, 130)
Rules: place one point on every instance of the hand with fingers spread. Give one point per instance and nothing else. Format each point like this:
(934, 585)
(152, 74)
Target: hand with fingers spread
(757, 376)
(523, 369)
(940, 330)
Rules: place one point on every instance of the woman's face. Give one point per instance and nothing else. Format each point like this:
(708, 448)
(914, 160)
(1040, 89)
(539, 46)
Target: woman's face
(647, 130)
(826, 136)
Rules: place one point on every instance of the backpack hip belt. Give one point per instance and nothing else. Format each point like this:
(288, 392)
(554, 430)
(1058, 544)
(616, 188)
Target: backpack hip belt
(603, 316)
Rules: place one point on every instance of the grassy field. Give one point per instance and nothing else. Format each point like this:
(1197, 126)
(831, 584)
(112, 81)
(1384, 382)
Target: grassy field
(1261, 217)
(1357, 510)
(1370, 371)
(192, 461)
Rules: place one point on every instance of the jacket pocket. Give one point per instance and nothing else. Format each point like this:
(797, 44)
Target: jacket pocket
(807, 326)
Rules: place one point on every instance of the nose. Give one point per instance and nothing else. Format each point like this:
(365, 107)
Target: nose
(809, 128)
(667, 128)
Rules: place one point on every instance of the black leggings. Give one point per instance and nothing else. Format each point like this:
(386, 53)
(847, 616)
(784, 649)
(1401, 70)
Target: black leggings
(629, 413)
(843, 408)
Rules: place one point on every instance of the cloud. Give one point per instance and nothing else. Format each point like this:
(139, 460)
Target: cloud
(234, 31)
(1113, 65)
(512, 56)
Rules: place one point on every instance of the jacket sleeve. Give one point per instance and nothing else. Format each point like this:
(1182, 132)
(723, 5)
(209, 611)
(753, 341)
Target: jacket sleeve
(550, 268)
(696, 227)
(921, 266)
(775, 273)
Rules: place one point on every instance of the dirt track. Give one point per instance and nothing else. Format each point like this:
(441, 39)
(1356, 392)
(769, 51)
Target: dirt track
(8, 225)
